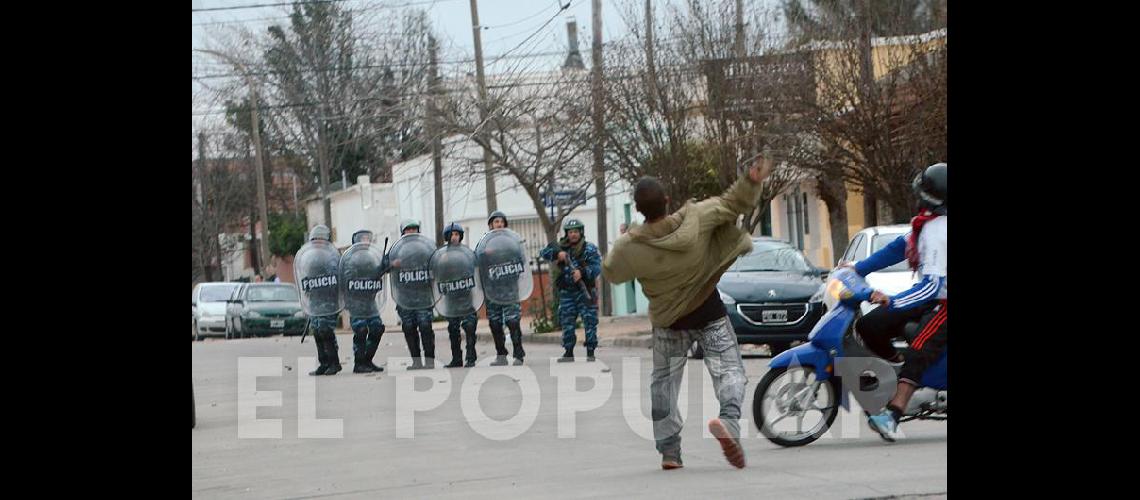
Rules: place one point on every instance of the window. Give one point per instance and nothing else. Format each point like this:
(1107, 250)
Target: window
(272, 293)
(882, 240)
(530, 228)
(216, 293)
(849, 256)
(807, 227)
(790, 207)
(772, 256)
(861, 249)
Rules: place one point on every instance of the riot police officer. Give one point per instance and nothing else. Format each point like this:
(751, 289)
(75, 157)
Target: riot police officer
(577, 261)
(362, 269)
(500, 314)
(316, 266)
(413, 319)
(453, 236)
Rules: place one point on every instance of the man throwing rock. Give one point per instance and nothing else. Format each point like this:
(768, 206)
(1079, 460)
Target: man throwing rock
(679, 258)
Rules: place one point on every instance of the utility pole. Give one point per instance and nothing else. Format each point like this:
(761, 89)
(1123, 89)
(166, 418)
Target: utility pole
(488, 163)
(739, 46)
(599, 138)
(255, 258)
(651, 64)
(436, 141)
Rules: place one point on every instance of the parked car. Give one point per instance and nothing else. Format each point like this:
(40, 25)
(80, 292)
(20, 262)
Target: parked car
(257, 309)
(891, 280)
(208, 306)
(772, 295)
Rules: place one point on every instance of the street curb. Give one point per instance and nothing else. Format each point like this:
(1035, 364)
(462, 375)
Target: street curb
(556, 338)
(642, 339)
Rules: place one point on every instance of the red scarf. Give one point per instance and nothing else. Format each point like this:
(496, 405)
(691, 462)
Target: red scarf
(916, 224)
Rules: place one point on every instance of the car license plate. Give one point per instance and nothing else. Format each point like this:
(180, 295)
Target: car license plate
(276, 323)
(774, 316)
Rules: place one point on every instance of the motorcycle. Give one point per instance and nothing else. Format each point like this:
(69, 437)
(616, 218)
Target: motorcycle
(823, 374)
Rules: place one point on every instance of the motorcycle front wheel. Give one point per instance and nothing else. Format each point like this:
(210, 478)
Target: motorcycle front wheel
(787, 395)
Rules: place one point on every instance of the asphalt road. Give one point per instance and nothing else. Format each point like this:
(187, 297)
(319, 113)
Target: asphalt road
(523, 438)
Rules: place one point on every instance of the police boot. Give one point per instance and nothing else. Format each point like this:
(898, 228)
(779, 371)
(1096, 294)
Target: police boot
(500, 360)
(590, 355)
(372, 344)
(499, 338)
(413, 339)
(456, 352)
(332, 354)
(428, 339)
(359, 353)
(321, 357)
(471, 339)
(516, 343)
(567, 357)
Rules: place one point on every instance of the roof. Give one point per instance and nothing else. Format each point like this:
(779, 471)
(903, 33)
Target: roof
(891, 229)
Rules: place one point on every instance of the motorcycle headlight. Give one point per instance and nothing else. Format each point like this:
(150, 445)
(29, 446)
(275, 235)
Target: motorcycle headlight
(833, 293)
(299, 314)
(725, 298)
(254, 314)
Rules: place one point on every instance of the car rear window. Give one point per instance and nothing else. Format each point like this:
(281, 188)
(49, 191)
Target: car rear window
(216, 293)
(272, 294)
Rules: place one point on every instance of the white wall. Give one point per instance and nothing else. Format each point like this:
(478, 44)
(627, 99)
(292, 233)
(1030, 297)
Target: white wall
(349, 216)
(411, 195)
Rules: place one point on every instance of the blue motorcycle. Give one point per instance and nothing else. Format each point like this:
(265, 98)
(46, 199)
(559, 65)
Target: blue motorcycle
(811, 381)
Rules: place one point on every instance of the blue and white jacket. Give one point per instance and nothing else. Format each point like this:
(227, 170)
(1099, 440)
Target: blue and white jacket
(932, 266)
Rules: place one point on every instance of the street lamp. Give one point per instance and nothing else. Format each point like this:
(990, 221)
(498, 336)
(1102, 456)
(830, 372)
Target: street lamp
(263, 251)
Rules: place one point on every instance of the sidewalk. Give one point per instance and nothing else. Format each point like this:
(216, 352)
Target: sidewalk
(620, 331)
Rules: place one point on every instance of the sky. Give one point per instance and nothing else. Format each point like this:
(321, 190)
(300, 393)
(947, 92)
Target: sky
(507, 24)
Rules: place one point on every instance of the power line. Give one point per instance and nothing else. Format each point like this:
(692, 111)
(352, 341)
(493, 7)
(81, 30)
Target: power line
(561, 8)
(520, 21)
(257, 6)
(359, 9)
(307, 104)
(493, 60)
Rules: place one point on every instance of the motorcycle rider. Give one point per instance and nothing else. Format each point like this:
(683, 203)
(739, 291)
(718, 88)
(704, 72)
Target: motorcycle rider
(924, 248)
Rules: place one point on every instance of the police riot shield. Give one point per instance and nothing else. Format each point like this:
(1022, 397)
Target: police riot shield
(503, 268)
(454, 281)
(361, 282)
(410, 259)
(317, 270)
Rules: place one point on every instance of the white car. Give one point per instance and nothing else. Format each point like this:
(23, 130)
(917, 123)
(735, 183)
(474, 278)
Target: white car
(209, 308)
(891, 280)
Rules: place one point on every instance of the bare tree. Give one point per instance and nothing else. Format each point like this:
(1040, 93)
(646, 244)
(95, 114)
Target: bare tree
(221, 201)
(880, 134)
(343, 88)
(668, 116)
(538, 132)
(879, 113)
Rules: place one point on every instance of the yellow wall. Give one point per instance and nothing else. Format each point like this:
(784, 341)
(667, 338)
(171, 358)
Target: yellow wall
(885, 58)
(854, 212)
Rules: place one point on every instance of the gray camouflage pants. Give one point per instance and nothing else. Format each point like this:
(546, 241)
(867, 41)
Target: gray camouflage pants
(722, 358)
